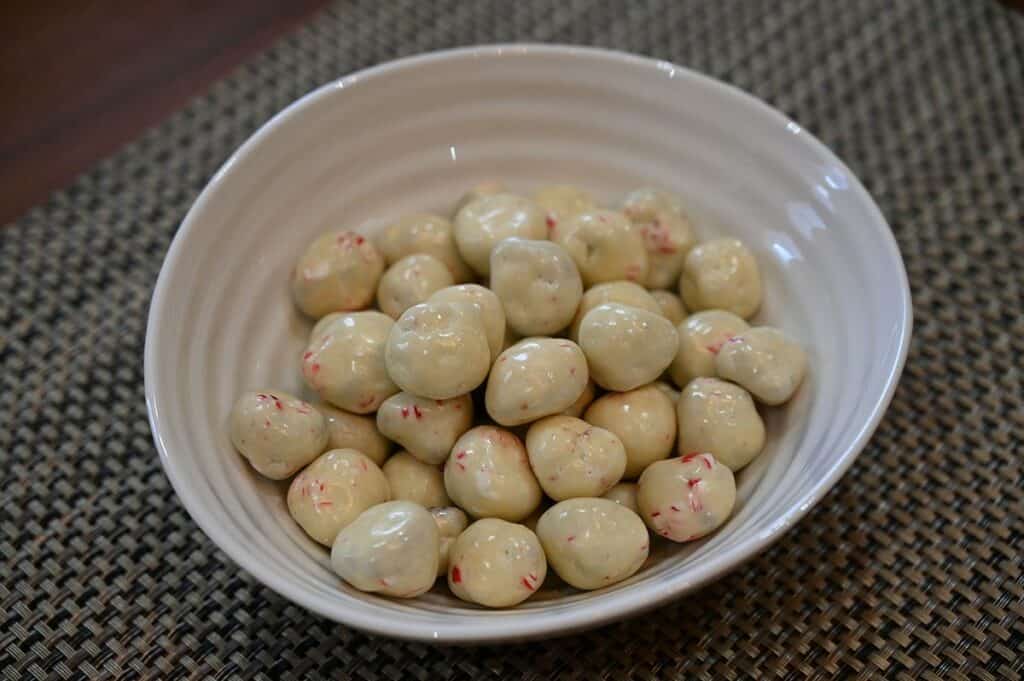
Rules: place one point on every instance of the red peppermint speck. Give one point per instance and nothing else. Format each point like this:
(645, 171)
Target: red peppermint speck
(266, 423)
(440, 403)
(261, 396)
(456, 574)
(687, 458)
(572, 371)
(707, 461)
(460, 455)
(674, 508)
(278, 405)
(550, 222)
(571, 538)
(307, 354)
(362, 464)
(321, 486)
(416, 410)
(315, 368)
(360, 240)
(323, 504)
(458, 405)
(367, 402)
(527, 584)
(656, 514)
(693, 482)
(405, 412)
(695, 504)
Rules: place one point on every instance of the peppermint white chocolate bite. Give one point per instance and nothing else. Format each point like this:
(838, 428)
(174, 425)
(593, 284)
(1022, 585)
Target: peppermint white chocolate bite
(624, 494)
(354, 431)
(701, 336)
(424, 233)
(438, 350)
(484, 222)
(671, 305)
(644, 420)
(593, 543)
(332, 491)
(338, 272)
(765, 361)
(485, 188)
(276, 432)
(487, 303)
(345, 364)
(687, 497)
(719, 417)
(562, 202)
(622, 292)
(496, 563)
(659, 218)
(451, 522)
(391, 549)
(583, 401)
(412, 480)
(626, 347)
(426, 428)
(605, 247)
(410, 281)
(538, 285)
(488, 475)
(721, 275)
(572, 458)
(536, 377)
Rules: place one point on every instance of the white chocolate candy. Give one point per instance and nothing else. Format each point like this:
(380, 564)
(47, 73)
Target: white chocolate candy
(278, 433)
(488, 475)
(669, 390)
(486, 188)
(487, 303)
(536, 377)
(623, 494)
(719, 417)
(605, 247)
(671, 305)
(538, 285)
(701, 336)
(410, 281)
(723, 275)
(626, 347)
(451, 522)
(322, 324)
(593, 543)
(644, 420)
(659, 218)
(764, 361)
(438, 350)
(622, 292)
(484, 222)
(426, 428)
(338, 272)
(332, 491)
(412, 480)
(391, 549)
(572, 458)
(583, 401)
(345, 364)
(562, 202)
(686, 498)
(424, 233)
(496, 563)
(353, 431)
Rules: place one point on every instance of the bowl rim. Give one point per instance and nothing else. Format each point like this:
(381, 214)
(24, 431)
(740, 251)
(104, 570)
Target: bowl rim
(598, 611)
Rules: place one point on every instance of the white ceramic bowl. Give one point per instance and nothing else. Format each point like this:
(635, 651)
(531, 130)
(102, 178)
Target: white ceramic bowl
(412, 135)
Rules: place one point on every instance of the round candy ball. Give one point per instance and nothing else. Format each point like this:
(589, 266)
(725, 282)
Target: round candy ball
(276, 432)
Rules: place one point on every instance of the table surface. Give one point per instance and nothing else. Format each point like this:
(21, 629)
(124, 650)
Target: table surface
(910, 568)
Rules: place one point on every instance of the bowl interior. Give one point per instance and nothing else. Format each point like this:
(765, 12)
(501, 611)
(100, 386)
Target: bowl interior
(411, 137)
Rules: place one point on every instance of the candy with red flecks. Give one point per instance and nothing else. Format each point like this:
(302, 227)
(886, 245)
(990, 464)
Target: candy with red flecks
(427, 428)
(626, 347)
(487, 303)
(332, 491)
(424, 233)
(412, 480)
(345, 364)
(538, 285)
(765, 361)
(671, 305)
(451, 522)
(622, 292)
(392, 549)
(721, 275)
(277, 432)
(593, 543)
(561, 202)
(438, 350)
(644, 420)
(719, 417)
(488, 475)
(659, 218)
(410, 281)
(486, 221)
(338, 272)
(624, 494)
(701, 336)
(687, 497)
(572, 458)
(534, 378)
(354, 431)
(496, 563)
(605, 247)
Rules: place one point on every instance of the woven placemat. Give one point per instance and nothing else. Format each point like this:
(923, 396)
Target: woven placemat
(910, 568)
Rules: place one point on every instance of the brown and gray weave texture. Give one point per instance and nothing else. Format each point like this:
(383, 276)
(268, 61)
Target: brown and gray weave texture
(910, 568)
